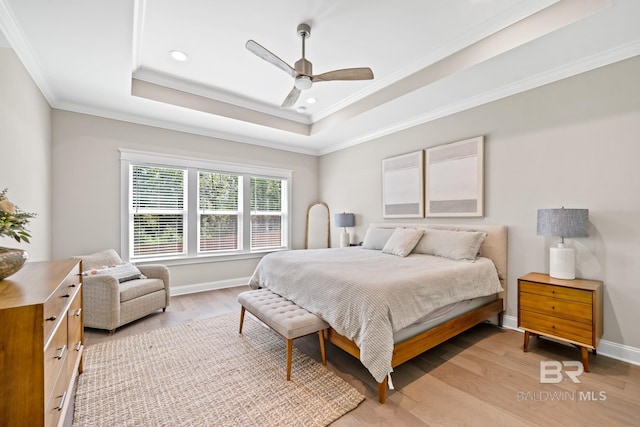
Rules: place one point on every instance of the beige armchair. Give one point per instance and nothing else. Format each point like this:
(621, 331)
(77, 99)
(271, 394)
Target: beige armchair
(109, 303)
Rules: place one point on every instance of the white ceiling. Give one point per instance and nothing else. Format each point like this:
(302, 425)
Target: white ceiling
(430, 59)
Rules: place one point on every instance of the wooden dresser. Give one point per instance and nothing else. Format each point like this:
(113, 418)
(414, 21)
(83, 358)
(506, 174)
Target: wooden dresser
(567, 310)
(41, 342)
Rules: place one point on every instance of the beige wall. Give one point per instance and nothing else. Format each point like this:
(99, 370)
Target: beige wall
(25, 153)
(86, 185)
(575, 143)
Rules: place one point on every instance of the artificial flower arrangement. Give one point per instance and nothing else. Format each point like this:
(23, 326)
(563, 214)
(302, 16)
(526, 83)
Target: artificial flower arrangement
(12, 220)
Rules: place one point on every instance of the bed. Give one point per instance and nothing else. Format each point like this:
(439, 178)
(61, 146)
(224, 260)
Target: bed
(386, 307)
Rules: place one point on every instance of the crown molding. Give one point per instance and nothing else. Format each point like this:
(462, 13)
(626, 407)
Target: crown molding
(22, 48)
(583, 65)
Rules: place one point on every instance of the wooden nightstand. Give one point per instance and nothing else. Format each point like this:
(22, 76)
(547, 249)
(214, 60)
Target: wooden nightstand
(567, 310)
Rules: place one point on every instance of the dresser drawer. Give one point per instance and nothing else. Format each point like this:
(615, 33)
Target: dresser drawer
(553, 326)
(55, 359)
(54, 306)
(59, 397)
(74, 321)
(578, 295)
(557, 307)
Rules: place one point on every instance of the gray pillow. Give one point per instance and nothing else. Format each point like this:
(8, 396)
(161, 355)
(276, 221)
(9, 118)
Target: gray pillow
(375, 238)
(457, 245)
(122, 272)
(402, 241)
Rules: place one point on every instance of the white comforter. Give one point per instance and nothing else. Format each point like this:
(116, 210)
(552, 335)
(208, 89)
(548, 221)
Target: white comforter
(366, 295)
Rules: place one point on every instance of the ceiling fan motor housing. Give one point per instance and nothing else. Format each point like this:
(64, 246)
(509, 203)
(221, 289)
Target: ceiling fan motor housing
(302, 66)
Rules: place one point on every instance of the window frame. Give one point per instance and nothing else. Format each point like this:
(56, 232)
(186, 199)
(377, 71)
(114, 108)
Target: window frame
(191, 241)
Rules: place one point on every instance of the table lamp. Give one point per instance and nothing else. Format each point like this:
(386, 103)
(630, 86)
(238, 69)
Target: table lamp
(345, 220)
(563, 223)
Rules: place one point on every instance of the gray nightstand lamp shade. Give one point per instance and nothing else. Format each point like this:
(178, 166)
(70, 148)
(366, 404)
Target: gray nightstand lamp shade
(563, 223)
(345, 220)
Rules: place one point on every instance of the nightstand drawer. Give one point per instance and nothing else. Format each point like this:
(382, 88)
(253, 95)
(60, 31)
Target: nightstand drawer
(556, 327)
(578, 295)
(557, 307)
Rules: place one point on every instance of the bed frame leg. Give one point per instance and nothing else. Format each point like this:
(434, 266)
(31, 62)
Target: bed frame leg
(382, 390)
(500, 318)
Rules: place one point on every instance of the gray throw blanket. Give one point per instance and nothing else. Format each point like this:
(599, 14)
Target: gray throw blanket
(366, 295)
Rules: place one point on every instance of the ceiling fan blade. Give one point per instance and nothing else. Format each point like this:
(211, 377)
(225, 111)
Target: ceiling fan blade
(345, 74)
(291, 98)
(269, 57)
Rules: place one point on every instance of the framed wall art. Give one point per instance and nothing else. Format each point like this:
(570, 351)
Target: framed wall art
(403, 186)
(454, 180)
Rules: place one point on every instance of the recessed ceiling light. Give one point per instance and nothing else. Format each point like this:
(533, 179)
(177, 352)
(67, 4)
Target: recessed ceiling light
(311, 100)
(178, 55)
(301, 109)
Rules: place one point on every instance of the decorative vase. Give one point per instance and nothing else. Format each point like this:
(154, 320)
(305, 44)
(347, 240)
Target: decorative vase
(11, 260)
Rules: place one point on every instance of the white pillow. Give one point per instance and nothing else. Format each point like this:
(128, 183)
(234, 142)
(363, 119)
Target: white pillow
(451, 244)
(402, 241)
(375, 238)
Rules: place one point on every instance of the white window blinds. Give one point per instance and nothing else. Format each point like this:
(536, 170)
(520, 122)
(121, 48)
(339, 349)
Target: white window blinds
(268, 197)
(218, 195)
(157, 210)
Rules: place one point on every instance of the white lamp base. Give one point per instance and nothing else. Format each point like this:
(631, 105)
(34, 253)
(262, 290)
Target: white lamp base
(344, 239)
(562, 262)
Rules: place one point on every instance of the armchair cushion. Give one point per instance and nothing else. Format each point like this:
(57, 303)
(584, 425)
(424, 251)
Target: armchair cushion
(137, 288)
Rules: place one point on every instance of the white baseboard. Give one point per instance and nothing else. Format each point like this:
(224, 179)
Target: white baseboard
(209, 286)
(611, 349)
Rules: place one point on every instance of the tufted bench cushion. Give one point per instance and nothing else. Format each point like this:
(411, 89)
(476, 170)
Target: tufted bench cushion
(284, 317)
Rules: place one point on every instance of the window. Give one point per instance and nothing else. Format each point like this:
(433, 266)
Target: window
(157, 214)
(266, 213)
(219, 212)
(183, 208)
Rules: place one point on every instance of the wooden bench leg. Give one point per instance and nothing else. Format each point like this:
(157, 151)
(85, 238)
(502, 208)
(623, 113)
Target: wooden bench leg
(289, 351)
(241, 318)
(322, 352)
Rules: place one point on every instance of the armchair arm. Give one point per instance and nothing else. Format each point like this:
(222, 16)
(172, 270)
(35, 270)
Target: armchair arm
(158, 271)
(101, 298)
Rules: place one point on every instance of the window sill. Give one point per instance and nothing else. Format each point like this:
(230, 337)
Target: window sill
(203, 259)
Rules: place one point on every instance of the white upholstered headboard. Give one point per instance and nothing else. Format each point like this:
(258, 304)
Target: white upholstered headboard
(493, 247)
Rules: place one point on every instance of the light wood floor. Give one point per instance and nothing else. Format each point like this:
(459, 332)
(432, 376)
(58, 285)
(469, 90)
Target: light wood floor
(479, 378)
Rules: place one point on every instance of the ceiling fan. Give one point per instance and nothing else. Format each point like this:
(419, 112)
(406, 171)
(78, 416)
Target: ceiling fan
(303, 70)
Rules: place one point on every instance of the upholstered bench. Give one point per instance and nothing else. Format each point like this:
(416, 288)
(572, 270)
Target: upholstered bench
(284, 317)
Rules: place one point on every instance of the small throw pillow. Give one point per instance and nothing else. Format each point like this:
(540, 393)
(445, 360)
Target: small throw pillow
(402, 241)
(122, 272)
(375, 238)
(456, 245)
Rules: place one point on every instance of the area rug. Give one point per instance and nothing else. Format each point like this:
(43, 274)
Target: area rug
(206, 374)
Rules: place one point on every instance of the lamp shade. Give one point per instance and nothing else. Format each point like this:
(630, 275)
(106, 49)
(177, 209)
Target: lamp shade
(345, 220)
(563, 222)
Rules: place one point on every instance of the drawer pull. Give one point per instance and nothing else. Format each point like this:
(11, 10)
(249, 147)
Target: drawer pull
(78, 346)
(66, 295)
(62, 399)
(78, 311)
(52, 318)
(73, 285)
(62, 350)
(553, 307)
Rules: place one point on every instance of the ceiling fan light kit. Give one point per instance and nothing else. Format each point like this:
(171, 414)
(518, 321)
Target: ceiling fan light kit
(303, 82)
(302, 72)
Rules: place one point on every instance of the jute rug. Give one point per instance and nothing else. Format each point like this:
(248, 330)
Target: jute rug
(205, 374)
